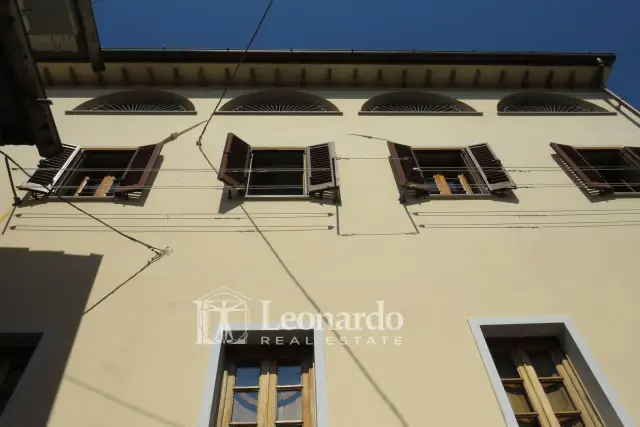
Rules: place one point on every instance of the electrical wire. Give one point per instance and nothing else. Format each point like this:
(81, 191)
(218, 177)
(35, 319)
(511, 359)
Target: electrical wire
(159, 252)
(233, 75)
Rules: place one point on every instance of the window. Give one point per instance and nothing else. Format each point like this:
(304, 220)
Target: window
(137, 102)
(15, 353)
(279, 102)
(612, 170)
(280, 172)
(469, 171)
(95, 172)
(265, 385)
(542, 386)
(415, 103)
(547, 103)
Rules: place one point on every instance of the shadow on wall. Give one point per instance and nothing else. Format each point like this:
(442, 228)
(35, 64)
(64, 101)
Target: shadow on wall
(44, 292)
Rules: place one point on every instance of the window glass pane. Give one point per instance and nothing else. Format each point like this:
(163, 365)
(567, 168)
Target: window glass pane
(504, 364)
(570, 422)
(542, 363)
(528, 422)
(558, 397)
(247, 376)
(289, 375)
(518, 398)
(289, 405)
(245, 406)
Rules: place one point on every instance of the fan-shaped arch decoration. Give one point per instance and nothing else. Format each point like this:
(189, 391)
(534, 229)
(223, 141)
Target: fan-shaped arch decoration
(279, 102)
(415, 103)
(547, 103)
(137, 102)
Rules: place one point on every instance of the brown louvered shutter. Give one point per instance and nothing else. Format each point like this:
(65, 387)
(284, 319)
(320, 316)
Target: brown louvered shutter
(235, 162)
(405, 167)
(579, 166)
(321, 170)
(137, 174)
(489, 167)
(51, 170)
(631, 154)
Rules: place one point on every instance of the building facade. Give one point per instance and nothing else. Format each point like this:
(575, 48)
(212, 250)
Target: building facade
(464, 222)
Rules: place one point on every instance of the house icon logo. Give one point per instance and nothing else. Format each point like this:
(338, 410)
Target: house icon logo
(222, 317)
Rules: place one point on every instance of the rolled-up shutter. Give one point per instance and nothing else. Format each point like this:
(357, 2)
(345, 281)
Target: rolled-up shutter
(321, 170)
(489, 167)
(138, 171)
(406, 169)
(235, 162)
(51, 170)
(581, 167)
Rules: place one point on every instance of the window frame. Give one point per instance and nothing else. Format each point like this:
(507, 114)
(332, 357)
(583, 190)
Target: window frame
(215, 370)
(591, 375)
(305, 191)
(603, 188)
(65, 172)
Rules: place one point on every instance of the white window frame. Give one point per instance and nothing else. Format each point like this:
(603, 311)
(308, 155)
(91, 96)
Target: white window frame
(593, 378)
(215, 368)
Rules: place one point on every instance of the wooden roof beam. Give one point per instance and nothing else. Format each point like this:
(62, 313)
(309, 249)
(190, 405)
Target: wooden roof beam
(202, 80)
(476, 77)
(151, 75)
(452, 78)
(252, 76)
(177, 80)
(124, 76)
(572, 79)
(327, 78)
(548, 83)
(427, 78)
(303, 77)
(227, 75)
(525, 79)
(503, 77)
(48, 79)
(403, 83)
(354, 77)
(277, 79)
(380, 78)
(73, 76)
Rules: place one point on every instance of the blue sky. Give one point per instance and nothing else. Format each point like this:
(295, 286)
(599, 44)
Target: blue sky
(515, 25)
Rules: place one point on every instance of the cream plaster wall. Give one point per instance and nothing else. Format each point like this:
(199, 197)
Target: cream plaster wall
(134, 361)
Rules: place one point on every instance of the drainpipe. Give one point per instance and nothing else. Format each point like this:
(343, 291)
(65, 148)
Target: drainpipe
(621, 102)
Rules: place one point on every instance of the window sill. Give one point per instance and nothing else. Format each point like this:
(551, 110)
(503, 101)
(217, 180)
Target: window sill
(130, 113)
(304, 197)
(593, 113)
(417, 113)
(278, 113)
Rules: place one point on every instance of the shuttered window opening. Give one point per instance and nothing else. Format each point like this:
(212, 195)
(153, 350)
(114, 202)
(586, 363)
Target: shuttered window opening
(106, 172)
(469, 171)
(16, 351)
(279, 172)
(542, 385)
(602, 170)
(264, 385)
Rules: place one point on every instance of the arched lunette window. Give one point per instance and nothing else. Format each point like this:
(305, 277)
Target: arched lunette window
(279, 102)
(548, 104)
(137, 102)
(415, 103)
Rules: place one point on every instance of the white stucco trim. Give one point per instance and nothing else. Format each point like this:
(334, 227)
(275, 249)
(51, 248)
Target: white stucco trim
(214, 369)
(608, 404)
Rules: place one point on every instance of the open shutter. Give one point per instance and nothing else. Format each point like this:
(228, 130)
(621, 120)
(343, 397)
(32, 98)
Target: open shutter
(235, 162)
(137, 174)
(321, 171)
(632, 155)
(579, 166)
(51, 170)
(405, 167)
(489, 167)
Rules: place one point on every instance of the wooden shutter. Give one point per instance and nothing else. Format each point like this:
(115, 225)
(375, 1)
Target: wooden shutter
(51, 170)
(321, 171)
(235, 162)
(579, 165)
(489, 167)
(632, 155)
(137, 173)
(405, 167)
